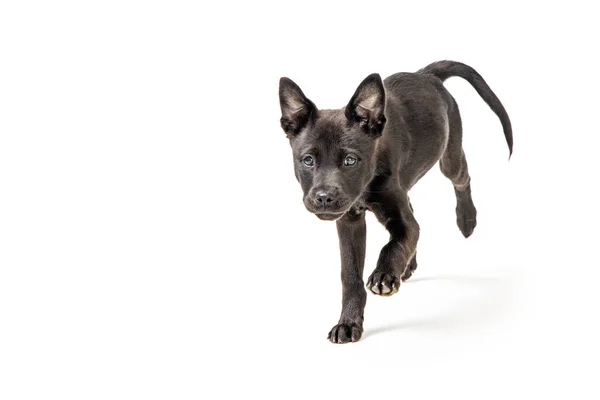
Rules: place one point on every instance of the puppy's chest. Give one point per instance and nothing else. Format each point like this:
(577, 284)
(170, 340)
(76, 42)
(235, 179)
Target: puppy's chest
(359, 207)
(370, 199)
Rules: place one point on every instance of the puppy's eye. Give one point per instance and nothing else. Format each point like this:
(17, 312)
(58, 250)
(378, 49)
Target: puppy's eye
(308, 161)
(349, 161)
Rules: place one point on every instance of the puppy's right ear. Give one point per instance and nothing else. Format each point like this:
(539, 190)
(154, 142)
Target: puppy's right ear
(296, 110)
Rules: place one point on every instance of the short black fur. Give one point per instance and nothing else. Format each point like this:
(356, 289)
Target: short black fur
(368, 155)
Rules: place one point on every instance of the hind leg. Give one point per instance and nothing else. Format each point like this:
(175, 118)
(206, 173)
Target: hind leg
(454, 166)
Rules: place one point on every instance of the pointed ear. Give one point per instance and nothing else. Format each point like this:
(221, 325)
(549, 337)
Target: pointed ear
(367, 105)
(296, 110)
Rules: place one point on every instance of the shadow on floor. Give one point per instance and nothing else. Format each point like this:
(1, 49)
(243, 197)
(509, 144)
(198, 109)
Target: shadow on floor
(488, 300)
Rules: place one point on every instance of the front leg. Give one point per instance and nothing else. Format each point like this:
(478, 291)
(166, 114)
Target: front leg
(352, 233)
(392, 208)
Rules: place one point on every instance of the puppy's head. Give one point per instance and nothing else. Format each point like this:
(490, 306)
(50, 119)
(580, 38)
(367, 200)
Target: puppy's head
(334, 150)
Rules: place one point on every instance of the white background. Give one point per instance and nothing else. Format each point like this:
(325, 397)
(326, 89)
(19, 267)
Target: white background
(153, 241)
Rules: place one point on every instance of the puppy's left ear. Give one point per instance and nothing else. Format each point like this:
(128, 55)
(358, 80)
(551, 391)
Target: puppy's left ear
(367, 105)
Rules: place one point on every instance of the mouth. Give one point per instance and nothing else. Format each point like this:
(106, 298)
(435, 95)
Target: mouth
(329, 216)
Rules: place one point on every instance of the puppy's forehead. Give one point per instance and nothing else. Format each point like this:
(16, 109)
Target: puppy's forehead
(330, 133)
(330, 130)
(330, 124)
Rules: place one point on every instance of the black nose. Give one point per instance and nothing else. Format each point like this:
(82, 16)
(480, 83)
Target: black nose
(323, 197)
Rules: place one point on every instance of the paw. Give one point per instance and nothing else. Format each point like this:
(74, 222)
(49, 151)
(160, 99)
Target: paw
(345, 333)
(383, 284)
(466, 218)
(410, 268)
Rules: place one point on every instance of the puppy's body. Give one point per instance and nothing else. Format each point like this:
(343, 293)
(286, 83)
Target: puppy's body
(418, 119)
(368, 155)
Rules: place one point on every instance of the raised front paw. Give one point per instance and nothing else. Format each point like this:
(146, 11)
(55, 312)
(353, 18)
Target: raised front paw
(345, 333)
(383, 283)
(410, 269)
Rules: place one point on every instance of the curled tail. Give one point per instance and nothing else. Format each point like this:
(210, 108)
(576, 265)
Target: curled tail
(445, 69)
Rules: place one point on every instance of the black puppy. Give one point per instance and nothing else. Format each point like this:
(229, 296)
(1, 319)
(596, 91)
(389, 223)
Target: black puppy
(368, 155)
